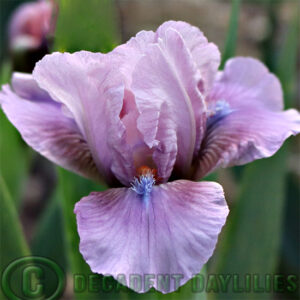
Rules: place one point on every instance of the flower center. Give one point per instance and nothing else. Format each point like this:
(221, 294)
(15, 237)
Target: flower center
(143, 183)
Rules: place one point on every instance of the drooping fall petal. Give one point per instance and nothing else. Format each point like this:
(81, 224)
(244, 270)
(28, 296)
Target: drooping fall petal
(91, 88)
(174, 233)
(45, 127)
(246, 121)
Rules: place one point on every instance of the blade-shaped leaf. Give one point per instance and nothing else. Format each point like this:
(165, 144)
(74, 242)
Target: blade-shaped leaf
(287, 62)
(14, 158)
(49, 240)
(12, 241)
(230, 43)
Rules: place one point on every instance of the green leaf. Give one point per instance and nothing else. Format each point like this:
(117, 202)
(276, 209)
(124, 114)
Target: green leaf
(250, 240)
(5, 72)
(86, 25)
(14, 156)
(12, 241)
(287, 62)
(230, 44)
(48, 240)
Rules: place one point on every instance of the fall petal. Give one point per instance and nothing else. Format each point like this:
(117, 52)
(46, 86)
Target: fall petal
(246, 81)
(245, 135)
(45, 127)
(175, 234)
(92, 89)
(245, 118)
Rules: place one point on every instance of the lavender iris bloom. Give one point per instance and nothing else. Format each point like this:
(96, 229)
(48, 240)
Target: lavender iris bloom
(154, 115)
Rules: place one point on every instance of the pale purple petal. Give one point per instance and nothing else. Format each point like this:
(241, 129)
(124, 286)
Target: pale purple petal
(196, 60)
(91, 87)
(246, 122)
(206, 55)
(25, 87)
(43, 125)
(163, 81)
(175, 235)
(130, 53)
(246, 81)
(244, 136)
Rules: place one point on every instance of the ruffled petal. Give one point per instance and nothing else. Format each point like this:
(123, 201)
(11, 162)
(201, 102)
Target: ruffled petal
(246, 81)
(45, 127)
(196, 62)
(244, 136)
(246, 121)
(206, 55)
(92, 89)
(163, 81)
(173, 235)
(131, 52)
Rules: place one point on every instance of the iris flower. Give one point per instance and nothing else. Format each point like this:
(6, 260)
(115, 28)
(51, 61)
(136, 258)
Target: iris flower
(150, 119)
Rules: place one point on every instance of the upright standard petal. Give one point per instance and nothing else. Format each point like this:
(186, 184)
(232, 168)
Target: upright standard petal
(161, 243)
(206, 55)
(245, 119)
(193, 57)
(163, 80)
(91, 87)
(45, 127)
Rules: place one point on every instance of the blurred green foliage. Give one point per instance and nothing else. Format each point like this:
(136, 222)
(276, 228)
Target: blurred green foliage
(231, 39)
(92, 24)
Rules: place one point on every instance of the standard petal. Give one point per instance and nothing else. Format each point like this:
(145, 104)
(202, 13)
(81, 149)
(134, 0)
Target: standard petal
(163, 80)
(131, 52)
(195, 61)
(44, 127)
(174, 235)
(91, 87)
(246, 121)
(206, 55)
